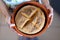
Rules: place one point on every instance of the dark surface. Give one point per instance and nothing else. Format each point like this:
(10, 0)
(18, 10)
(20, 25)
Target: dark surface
(56, 5)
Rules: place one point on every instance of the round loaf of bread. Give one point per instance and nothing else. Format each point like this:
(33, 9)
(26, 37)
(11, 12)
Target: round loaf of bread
(30, 19)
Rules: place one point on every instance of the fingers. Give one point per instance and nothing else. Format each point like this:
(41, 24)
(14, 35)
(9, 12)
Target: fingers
(51, 11)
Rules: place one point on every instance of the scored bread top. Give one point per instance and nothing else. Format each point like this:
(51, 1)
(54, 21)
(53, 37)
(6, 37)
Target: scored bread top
(30, 19)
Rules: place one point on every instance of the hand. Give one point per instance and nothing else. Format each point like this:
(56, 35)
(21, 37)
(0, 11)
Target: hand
(51, 11)
(50, 14)
(5, 11)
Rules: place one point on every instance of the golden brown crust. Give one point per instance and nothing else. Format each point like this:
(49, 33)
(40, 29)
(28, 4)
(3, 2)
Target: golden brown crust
(30, 19)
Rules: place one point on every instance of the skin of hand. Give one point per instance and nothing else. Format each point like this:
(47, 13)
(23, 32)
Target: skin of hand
(4, 11)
